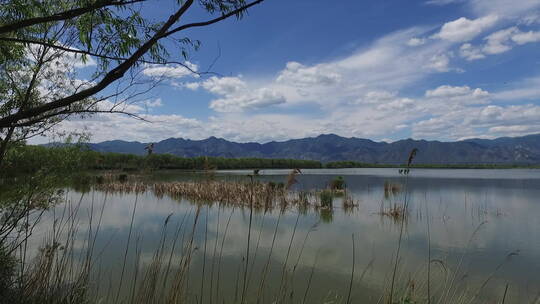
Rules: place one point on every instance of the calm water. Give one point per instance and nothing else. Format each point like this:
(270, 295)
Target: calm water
(484, 230)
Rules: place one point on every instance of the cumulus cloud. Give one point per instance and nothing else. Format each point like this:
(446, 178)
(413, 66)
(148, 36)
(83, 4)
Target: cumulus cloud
(499, 42)
(170, 70)
(238, 102)
(191, 85)
(398, 105)
(508, 115)
(464, 29)
(387, 65)
(447, 91)
(301, 75)
(115, 126)
(526, 37)
(456, 94)
(237, 96)
(361, 94)
(469, 52)
(439, 62)
(511, 120)
(224, 85)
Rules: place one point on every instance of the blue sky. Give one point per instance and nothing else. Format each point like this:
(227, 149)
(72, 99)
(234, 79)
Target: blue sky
(378, 69)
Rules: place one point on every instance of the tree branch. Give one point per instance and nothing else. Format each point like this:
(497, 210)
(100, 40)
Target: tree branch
(63, 15)
(212, 21)
(109, 78)
(92, 54)
(122, 68)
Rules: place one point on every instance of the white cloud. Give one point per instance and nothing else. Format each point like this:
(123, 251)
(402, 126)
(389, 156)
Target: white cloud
(153, 103)
(78, 61)
(497, 42)
(170, 70)
(398, 105)
(192, 85)
(511, 9)
(530, 19)
(416, 41)
(439, 63)
(464, 29)
(388, 65)
(526, 37)
(490, 120)
(446, 91)
(224, 85)
(521, 90)
(376, 97)
(247, 100)
(237, 96)
(297, 74)
(115, 126)
(470, 52)
(356, 95)
(508, 115)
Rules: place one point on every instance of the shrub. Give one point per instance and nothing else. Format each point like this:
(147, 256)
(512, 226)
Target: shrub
(338, 183)
(7, 272)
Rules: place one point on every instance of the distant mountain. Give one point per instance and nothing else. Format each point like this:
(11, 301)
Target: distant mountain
(330, 147)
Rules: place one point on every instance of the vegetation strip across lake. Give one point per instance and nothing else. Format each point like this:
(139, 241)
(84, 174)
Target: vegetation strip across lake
(26, 160)
(234, 193)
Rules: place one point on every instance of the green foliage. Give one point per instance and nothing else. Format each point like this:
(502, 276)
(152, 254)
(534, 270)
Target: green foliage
(327, 198)
(29, 181)
(326, 215)
(338, 183)
(31, 160)
(126, 162)
(7, 275)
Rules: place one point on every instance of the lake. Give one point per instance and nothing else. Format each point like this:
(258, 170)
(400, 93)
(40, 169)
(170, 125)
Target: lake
(480, 230)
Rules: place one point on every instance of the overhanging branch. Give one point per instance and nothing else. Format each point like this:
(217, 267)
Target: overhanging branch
(122, 68)
(63, 15)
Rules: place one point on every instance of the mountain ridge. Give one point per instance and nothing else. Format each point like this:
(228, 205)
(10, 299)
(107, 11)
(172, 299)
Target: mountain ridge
(332, 147)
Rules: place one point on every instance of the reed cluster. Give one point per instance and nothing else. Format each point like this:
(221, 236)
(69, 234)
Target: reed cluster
(391, 189)
(395, 211)
(256, 194)
(122, 187)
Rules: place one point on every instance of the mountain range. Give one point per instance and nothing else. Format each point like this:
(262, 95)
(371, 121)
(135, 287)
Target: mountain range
(331, 147)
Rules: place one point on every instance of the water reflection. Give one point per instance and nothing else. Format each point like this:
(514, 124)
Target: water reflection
(475, 227)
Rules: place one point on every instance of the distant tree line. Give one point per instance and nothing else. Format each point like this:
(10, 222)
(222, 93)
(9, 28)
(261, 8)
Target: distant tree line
(97, 160)
(29, 159)
(354, 164)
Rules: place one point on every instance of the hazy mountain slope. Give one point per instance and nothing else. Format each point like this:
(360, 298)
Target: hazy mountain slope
(331, 147)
